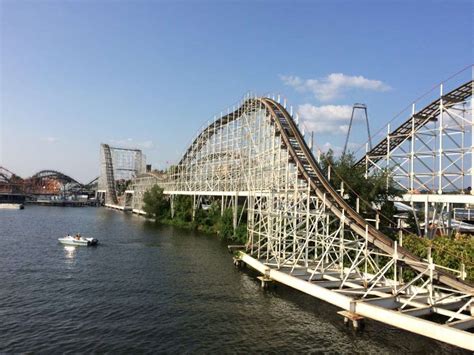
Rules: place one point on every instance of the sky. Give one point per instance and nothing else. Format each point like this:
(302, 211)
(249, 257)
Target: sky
(149, 74)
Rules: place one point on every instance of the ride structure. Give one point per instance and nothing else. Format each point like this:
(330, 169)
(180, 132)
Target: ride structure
(45, 183)
(358, 107)
(52, 182)
(10, 183)
(118, 167)
(430, 156)
(302, 232)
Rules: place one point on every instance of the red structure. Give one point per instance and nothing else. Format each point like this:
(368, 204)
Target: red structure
(45, 182)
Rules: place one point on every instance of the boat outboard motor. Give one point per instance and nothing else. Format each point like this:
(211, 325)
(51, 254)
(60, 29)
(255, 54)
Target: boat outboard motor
(94, 242)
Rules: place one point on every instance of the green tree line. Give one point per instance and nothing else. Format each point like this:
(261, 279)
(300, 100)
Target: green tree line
(158, 207)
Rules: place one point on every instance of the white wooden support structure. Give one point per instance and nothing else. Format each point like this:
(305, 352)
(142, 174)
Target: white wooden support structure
(304, 234)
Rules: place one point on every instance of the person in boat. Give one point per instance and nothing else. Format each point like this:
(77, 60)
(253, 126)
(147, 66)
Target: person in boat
(78, 236)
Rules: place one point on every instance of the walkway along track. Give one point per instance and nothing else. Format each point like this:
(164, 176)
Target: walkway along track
(308, 169)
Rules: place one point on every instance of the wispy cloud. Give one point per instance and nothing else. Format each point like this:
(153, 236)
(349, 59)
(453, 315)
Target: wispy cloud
(334, 85)
(329, 146)
(132, 143)
(49, 140)
(332, 119)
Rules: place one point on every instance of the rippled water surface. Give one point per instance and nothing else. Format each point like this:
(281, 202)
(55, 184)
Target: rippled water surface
(155, 289)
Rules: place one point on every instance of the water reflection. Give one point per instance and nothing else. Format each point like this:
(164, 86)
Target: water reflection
(70, 252)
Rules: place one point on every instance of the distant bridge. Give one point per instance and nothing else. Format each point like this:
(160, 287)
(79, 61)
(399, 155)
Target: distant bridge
(303, 233)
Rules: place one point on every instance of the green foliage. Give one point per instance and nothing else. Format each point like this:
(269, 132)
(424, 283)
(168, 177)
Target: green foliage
(208, 218)
(183, 208)
(155, 204)
(241, 233)
(375, 190)
(225, 225)
(446, 251)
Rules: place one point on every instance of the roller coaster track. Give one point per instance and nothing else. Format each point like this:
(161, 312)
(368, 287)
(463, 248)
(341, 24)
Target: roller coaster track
(53, 174)
(310, 217)
(109, 174)
(309, 168)
(415, 122)
(35, 185)
(6, 175)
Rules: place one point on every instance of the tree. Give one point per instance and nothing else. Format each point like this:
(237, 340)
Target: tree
(155, 204)
(208, 217)
(225, 224)
(375, 191)
(183, 208)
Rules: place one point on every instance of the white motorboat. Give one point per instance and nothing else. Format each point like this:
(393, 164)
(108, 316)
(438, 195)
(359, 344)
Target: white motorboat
(11, 206)
(78, 241)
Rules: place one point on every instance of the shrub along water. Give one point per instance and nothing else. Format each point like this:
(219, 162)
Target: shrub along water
(157, 206)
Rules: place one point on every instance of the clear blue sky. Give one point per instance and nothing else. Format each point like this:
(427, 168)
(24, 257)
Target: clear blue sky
(150, 73)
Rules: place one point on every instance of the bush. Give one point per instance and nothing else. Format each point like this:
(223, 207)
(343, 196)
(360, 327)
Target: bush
(156, 205)
(446, 251)
(183, 208)
(225, 224)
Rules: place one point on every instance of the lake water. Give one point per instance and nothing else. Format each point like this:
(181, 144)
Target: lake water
(156, 289)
